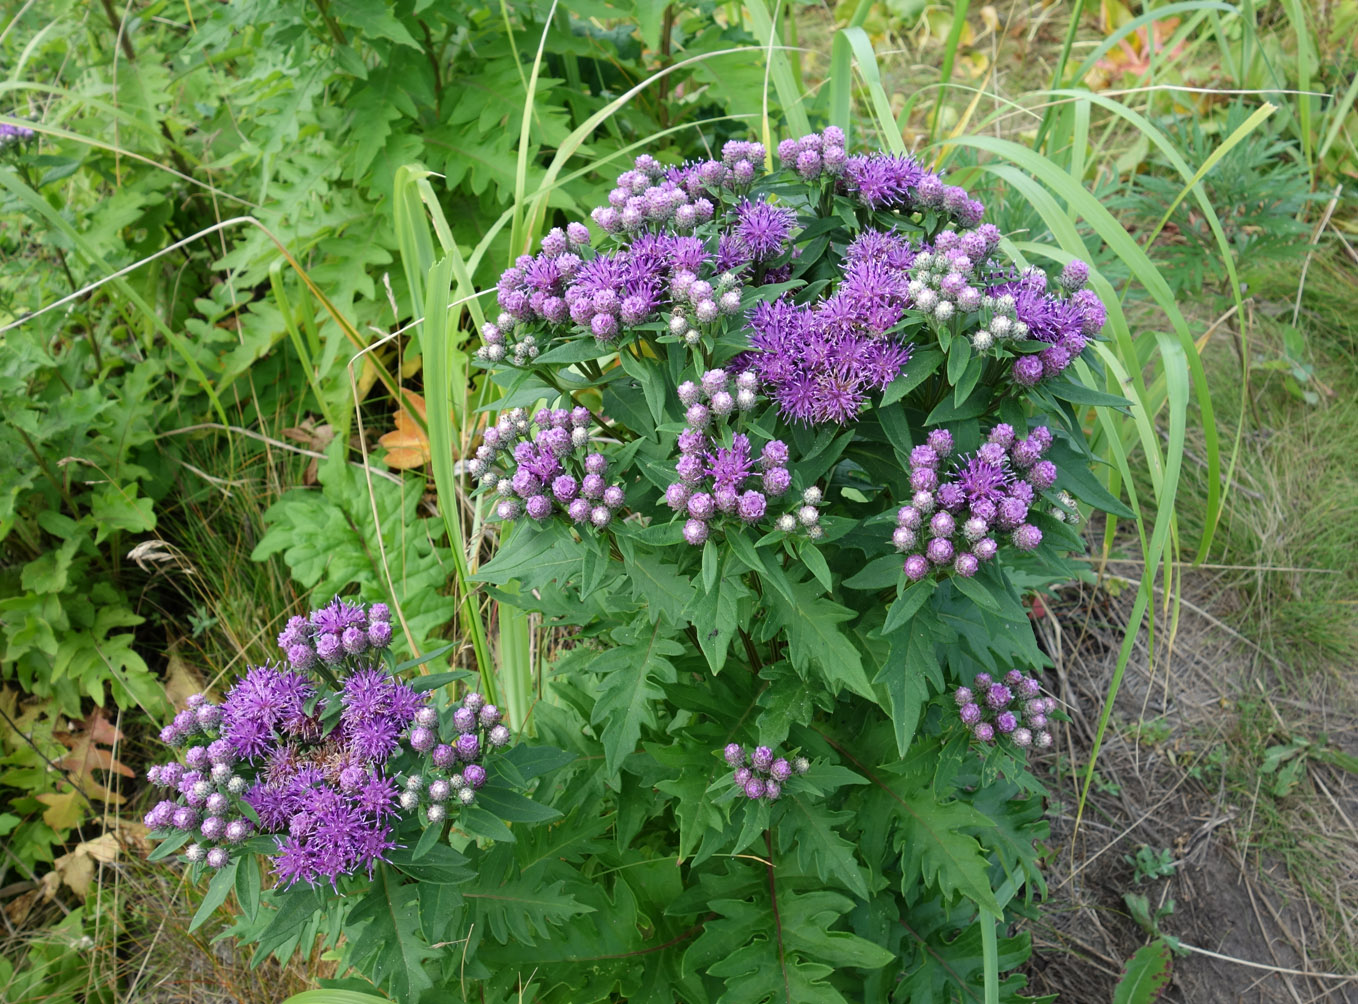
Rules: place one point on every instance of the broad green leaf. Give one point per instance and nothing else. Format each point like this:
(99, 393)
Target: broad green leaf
(816, 641)
(223, 881)
(390, 943)
(631, 674)
(1146, 974)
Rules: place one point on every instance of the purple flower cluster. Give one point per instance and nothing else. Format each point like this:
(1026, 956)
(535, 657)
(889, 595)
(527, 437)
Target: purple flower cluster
(653, 196)
(455, 767)
(1011, 707)
(699, 302)
(335, 632)
(548, 471)
(950, 523)
(816, 156)
(820, 361)
(320, 789)
(758, 773)
(716, 479)
(13, 135)
(1023, 309)
(898, 181)
(941, 277)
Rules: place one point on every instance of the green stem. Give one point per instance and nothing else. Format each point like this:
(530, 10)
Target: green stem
(990, 956)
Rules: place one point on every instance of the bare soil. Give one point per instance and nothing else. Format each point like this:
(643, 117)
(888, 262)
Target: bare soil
(1279, 897)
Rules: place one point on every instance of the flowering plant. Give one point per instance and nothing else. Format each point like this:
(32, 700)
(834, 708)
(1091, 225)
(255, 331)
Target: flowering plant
(352, 782)
(776, 457)
(839, 423)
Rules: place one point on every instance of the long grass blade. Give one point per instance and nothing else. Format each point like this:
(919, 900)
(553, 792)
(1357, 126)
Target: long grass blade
(1034, 165)
(779, 68)
(866, 61)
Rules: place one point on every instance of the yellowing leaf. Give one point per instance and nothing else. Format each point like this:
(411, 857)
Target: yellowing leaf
(64, 810)
(76, 869)
(180, 680)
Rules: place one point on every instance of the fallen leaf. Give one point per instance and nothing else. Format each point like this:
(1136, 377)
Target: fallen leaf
(311, 435)
(18, 909)
(64, 809)
(180, 679)
(76, 869)
(88, 755)
(407, 446)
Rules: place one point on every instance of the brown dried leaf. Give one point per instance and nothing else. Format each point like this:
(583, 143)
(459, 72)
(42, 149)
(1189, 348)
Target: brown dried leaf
(76, 869)
(311, 435)
(407, 445)
(18, 909)
(88, 755)
(180, 680)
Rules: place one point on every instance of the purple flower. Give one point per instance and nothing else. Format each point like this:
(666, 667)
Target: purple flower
(754, 788)
(966, 564)
(474, 774)
(762, 758)
(777, 480)
(1042, 475)
(1074, 275)
(939, 551)
(998, 695)
(916, 567)
(763, 229)
(468, 747)
(882, 180)
(1027, 371)
(729, 467)
(1027, 537)
(734, 754)
(379, 634)
(970, 713)
(751, 506)
(695, 532)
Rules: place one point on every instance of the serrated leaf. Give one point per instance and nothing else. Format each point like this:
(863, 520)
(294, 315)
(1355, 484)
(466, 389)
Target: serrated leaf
(390, 941)
(117, 508)
(660, 587)
(815, 639)
(906, 674)
(933, 844)
(632, 673)
(525, 909)
(812, 832)
(715, 616)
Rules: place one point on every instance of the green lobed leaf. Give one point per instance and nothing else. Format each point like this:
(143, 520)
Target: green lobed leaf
(816, 642)
(631, 672)
(390, 940)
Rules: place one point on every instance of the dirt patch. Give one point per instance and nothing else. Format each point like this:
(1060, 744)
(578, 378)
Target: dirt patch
(1256, 856)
